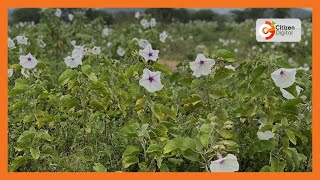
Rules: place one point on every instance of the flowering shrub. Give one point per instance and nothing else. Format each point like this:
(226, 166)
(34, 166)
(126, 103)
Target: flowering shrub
(97, 98)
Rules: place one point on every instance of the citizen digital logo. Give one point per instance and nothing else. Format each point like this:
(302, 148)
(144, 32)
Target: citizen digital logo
(278, 30)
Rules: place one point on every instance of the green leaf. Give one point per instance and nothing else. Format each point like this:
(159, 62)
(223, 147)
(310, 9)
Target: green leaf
(291, 136)
(35, 153)
(131, 150)
(99, 168)
(162, 68)
(44, 135)
(130, 160)
(277, 165)
(265, 169)
(257, 72)
(66, 76)
(179, 143)
(17, 163)
(154, 148)
(205, 131)
(225, 54)
(26, 136)
(156, 110)
(263, 145)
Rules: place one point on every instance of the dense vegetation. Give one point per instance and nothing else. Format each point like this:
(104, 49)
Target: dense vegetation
(80, 101)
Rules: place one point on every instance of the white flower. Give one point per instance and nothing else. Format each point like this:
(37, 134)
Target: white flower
(151, 80)
(25, 74)
(149, 54)
(106, 32)
(28, 61)
(42, 44)
(202, 65)
(10, 72)
(58, 13)
(22, 40)
(79, 51)
(137, 15)
(145, 24)
(153, 22)
(120, 51)
(73, 62)
(226, 164)
(143, 43)
(73, 42)
(283, 77)
(70, 16)
(109, 44)
(288, 95)
(266, 135)
(230, 67)
(163, 36)
(10, 43)
(236, 50)
(96, 50)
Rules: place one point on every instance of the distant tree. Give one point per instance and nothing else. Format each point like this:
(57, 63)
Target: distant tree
(249, 13)
(206, 14)
(25, 15)
(95, 13)
(281, 13)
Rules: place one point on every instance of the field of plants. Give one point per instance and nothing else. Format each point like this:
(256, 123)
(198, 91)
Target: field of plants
(146, 96)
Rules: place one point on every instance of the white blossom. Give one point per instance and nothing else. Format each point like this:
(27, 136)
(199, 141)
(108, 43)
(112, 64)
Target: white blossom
(22, 40)
(96, 50)
(149, 54)
(283, 77)
(145, 24)
(163, 36)
(10, 72)
(10, 43)
(153, 22)
(151, 80)
(137, 15)
(143, 43)
(230, 67)
(226, 164)
(28, 61)
(73, 62)
(202, 65)
(120, 51)
(58, 13)
(70, 17)
(266, 135)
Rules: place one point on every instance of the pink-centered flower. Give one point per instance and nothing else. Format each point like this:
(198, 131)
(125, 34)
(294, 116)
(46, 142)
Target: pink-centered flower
(28, 61)
(283, 77)
(149, 54)
(151, 80)
(225, 164)
(202, 65)
(73, 61)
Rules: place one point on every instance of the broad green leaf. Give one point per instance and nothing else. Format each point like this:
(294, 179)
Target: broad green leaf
(131, 150)
(99, 168)
(66, 76)
(130, 160)
(263, 145)
(17, 163)
(162, 68)
(154, 148)
(26, 136)
(35, 153)
(291, 136)
(265, 169)
(225, 54)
